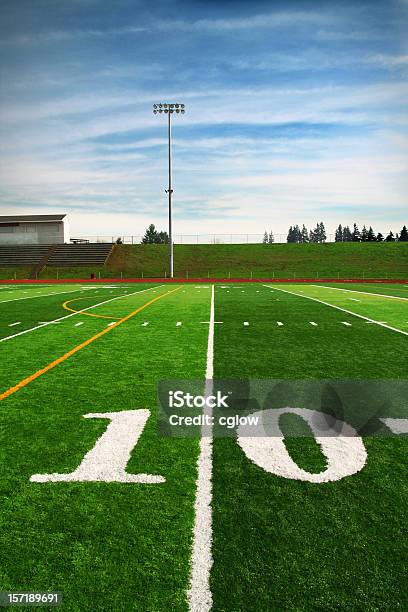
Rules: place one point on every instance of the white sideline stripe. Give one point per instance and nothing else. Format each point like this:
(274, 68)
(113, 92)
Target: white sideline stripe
(346, 323)
(391, 297)
(307, 297)
(199, 594)
(31, 297)
(26, 331)
(16, 323)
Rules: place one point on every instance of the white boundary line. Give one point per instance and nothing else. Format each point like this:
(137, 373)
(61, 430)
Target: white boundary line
(343, 310)
(391, 297)
(199, 594)
(32, 297)
(26, 331)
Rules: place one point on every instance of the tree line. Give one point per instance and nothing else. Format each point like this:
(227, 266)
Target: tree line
(342, 234)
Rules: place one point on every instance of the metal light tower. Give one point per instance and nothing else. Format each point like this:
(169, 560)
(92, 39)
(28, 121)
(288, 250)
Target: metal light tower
(169, 109)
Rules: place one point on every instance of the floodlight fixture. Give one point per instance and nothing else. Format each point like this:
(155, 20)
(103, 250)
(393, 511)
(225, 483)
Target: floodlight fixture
(169, 109)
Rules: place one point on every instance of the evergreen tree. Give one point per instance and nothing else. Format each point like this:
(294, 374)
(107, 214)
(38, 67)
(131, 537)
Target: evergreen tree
(364, 234)
(289, 237)
(322, 232)
(347, 237)
(265, 238)
(312, 236)
(380, 237)
(404, 234)
(297, 233)
(356, 236)
(304, 234)
(390, 237)
(370, 235)
(162, 238)
(150, 236)
(338, 237)
(292, 234)
(271, 238)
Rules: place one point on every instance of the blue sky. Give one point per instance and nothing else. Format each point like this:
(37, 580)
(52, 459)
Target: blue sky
(295, 112)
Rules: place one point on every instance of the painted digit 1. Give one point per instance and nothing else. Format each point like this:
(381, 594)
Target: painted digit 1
(107, 460)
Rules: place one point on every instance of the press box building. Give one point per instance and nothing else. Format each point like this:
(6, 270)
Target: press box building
(34, 229)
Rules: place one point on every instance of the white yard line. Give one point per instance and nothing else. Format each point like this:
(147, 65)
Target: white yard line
(199, 594)
(26, 331)
(31, 297)
(391, 297)
(307, 297)
(16, 323)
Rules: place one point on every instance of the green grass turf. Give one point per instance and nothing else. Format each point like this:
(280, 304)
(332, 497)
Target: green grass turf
(399, 290)
(107, 547)
(278, 544)
(29, 305)
(331, 260)
(281, 544)
(393, 312)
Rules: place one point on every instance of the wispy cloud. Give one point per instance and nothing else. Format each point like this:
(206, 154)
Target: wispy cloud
(293, 111)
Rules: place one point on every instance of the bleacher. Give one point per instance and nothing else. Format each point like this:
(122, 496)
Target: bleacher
(74, 255)
(22, 255)
(63, 255)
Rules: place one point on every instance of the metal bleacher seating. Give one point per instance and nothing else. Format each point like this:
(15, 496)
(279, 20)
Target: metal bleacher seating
(61, 255)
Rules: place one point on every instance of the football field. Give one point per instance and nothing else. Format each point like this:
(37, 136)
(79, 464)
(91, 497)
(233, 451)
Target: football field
(98, 505)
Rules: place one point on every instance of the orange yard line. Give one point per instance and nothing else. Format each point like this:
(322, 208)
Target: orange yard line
(88, 314)
(26, 381)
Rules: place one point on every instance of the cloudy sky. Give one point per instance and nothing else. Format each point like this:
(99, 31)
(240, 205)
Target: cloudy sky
(296, 112)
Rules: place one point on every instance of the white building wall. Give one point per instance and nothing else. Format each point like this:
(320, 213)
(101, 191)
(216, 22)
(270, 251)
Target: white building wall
(33, 233)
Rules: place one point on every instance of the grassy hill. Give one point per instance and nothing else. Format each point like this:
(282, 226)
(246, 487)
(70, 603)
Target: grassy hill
(347, 260)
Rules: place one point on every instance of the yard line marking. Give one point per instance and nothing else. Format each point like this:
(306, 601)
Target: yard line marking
(78, 324)
(199, 594)
(143, 324)
(212, 322)
(371, 322)
(307, 297)
(13, 324)
(354, 300)
(391, 297)
(279, 323)
(246, 322)
(31, 297)
(26, 381)
(178, 324)
(346, 323)
(313, 323)
(26, 331)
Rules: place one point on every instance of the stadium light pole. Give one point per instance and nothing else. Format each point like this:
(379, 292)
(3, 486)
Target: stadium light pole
(169, 109)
